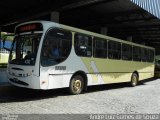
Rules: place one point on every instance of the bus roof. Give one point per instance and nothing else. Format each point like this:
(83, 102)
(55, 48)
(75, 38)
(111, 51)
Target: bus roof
(73, 29)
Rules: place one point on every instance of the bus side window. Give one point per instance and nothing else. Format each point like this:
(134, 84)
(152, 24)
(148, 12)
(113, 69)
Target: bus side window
(83, 45)
(136, 53)
(56, 47)
(126, 52)
(100, 48)
(144, 54)
(150, 56)
(114, 50)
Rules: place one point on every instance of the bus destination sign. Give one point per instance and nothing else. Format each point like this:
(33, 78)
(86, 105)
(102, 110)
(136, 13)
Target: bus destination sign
(29, 27)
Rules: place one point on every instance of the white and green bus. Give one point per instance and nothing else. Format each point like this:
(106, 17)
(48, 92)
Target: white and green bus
(47, 55)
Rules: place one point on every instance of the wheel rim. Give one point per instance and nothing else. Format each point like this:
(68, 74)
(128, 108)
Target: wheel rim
(77, 85)
(134, 80)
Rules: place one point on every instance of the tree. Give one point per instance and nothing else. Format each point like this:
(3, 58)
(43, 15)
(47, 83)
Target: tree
(7, 36)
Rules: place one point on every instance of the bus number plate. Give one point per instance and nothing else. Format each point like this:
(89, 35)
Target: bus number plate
(60, 68)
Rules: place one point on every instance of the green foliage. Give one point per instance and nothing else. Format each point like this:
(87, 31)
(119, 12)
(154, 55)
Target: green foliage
(4, 36)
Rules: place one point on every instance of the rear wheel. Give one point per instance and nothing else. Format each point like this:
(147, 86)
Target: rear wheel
(134, 80)
(76, 85)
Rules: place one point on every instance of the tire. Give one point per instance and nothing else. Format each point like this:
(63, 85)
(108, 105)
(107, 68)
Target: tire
(134, 80)
(76, 85)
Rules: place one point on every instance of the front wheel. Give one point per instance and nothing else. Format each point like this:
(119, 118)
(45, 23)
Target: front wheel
(134, 79)
(76, 85)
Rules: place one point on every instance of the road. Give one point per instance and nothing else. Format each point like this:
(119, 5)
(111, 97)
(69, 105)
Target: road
(104, 99)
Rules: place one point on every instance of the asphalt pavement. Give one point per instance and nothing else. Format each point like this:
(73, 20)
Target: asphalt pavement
(102, 99)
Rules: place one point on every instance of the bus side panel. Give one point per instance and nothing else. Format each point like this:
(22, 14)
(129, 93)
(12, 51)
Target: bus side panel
(59, 78)
(59, 81)
(98, 71)
(146, 72)
(103, 71)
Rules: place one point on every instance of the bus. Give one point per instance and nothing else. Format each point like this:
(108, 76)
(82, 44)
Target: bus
(157, 66)
(46, 55)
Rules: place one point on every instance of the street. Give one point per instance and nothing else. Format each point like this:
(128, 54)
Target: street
(104, 99)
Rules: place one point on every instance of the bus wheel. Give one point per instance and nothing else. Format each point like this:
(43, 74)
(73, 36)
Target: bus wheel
(134, 80)
(76, 85)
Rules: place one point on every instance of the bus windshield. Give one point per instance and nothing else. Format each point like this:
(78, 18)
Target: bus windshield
(24, 49)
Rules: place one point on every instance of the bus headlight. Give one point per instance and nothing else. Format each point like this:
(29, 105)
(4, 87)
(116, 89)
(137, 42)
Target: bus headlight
(29, 74)
(24, 75)
(20, 75)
